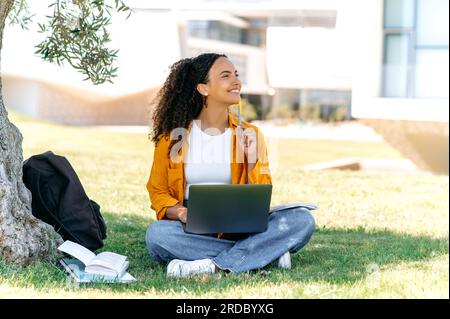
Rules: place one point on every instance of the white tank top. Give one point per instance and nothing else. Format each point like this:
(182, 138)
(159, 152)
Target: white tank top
(209, 157)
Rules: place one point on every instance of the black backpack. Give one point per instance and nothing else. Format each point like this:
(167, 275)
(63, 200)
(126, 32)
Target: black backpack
(58, 198)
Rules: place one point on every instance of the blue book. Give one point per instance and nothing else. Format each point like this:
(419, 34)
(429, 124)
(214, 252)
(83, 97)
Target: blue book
(76, 270)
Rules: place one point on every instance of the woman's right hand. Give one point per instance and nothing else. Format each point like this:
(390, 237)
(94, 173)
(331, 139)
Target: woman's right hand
(182, 214)
(177, 212)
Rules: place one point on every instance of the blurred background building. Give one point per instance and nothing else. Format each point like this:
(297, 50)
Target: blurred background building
(382, 61)
(288, 53)
(401, 76)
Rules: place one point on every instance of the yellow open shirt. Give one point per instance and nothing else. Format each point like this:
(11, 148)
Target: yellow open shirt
(167, 182)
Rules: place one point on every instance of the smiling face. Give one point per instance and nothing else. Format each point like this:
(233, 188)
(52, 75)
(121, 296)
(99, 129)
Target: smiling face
(223, 86)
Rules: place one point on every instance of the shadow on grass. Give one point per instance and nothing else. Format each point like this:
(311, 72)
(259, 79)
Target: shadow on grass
(333, 255)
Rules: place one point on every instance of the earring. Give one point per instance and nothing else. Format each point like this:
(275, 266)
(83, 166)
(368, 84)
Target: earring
(206, 93)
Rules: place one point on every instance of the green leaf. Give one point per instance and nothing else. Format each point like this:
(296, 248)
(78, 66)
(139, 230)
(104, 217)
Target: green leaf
(85, 46)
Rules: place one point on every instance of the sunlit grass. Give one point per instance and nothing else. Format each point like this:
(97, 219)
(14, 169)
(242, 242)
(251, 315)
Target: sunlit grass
(379, 234)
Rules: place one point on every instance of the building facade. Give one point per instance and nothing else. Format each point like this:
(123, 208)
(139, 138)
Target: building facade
(288, 53)
(401, 76)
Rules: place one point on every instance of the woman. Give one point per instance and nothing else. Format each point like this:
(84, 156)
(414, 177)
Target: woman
(198, 141)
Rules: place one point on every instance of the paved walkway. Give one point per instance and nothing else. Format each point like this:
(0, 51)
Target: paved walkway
(349, 131)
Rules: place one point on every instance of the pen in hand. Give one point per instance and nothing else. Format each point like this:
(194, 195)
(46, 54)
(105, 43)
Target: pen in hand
(239, 113)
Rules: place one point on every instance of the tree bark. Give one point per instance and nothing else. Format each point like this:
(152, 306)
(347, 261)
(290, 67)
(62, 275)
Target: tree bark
(23, 238)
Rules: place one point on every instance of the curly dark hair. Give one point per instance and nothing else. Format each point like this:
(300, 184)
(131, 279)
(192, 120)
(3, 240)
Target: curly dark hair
(178, 102)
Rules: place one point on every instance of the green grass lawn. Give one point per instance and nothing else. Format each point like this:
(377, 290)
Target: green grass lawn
(379, 234)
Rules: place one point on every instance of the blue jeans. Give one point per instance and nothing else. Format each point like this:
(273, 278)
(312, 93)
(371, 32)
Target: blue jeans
(288, 230)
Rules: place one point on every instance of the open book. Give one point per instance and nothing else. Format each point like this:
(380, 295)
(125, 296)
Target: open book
(75, 269)
(105, 263)
(277, 208)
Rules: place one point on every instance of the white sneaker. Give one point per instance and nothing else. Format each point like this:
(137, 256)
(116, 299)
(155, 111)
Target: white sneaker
(183, 268)
(284, 261)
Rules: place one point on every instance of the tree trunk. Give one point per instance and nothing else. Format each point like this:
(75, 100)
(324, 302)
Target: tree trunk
(23, 238)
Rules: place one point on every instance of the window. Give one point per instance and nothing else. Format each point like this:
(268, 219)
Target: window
(432, 23)
(218, 30)
(399, 13)
(396, 65)
(416, 48)
(198, 28)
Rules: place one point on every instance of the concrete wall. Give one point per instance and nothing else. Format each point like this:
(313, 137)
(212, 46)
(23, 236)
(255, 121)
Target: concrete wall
(68, 105)
(425, 143)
